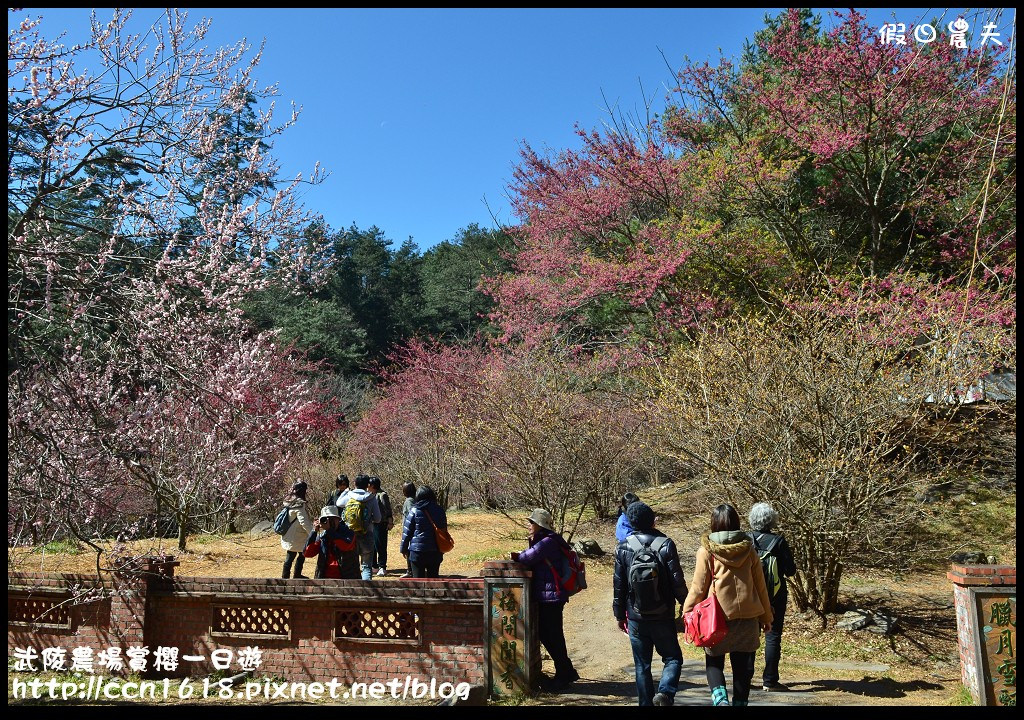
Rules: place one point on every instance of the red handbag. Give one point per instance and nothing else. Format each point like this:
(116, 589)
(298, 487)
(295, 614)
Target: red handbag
(706, 623)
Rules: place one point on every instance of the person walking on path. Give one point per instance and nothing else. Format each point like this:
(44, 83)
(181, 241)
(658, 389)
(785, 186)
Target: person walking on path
(419, 543)
(622, 525)
(728, 566)
(293, 541)
(380, 530)
(762, 519)
(334, 547)
(545, 549)
(648, 581)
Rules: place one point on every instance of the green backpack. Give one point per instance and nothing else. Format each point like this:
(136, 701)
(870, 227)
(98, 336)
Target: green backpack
(357, 516)
(769, 564)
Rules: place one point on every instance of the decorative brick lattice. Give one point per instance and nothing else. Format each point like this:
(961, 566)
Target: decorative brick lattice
(377, 625)
(248, 620)
(39, 611)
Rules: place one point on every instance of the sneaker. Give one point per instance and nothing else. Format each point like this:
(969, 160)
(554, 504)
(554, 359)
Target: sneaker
(382, 572)
(774, 687)
(302, 577)
(404, 575)
(662, 700)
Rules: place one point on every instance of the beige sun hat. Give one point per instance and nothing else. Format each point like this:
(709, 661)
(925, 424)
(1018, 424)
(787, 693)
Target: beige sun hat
(542, 518)
(330, 511)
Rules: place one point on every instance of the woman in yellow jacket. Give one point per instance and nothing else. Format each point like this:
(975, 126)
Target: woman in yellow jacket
(727, 558)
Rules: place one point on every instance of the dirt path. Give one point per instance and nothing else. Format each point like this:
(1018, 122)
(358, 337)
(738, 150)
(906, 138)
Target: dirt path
(916, 666)
(900, 670)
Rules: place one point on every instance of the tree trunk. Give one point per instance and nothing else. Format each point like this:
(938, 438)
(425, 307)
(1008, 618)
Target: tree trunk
(182, 534)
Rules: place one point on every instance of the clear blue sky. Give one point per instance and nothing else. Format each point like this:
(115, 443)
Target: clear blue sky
(419, 114)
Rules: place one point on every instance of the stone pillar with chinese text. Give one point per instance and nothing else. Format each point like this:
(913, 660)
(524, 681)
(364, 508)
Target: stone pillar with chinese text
(511, 642)
(985, 597)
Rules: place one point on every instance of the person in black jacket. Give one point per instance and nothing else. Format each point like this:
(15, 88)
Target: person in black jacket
(762, 519)
(419, 541)
(644, 602)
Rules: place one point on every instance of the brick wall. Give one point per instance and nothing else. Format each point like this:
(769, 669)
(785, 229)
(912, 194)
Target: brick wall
(306, 629)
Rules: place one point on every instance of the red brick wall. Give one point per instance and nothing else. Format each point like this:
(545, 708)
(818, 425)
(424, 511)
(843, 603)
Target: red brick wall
(177, 612)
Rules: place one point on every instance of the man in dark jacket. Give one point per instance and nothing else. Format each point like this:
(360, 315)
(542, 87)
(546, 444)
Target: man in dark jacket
(544, 551)
(380, 530)
(644, 602)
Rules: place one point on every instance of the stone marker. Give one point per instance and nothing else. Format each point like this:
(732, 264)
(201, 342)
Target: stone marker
(587, 548)
(263, 527)
(854, 620)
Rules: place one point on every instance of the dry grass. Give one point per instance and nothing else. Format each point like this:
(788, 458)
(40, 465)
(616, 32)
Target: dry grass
(921, 656)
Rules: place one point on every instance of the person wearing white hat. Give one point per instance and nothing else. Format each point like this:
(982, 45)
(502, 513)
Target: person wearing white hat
(546, 547)
(334, 547)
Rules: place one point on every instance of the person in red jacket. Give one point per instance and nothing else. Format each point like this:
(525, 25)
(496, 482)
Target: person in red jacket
(334, 547)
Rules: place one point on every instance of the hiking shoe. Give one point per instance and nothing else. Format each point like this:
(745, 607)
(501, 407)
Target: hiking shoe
(558, 684)
(382, 572)
(774, 687)
(662, 700)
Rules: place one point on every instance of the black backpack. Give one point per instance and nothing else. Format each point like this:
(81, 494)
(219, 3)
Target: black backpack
(644, 576)
(769, 563)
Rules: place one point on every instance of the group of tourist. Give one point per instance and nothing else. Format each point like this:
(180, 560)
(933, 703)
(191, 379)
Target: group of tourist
(730, 564)
(350, 537)
(349, 541)
(648, 584)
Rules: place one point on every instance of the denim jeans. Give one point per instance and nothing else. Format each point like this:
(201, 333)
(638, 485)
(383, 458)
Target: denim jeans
(366, 547)
(645, 636)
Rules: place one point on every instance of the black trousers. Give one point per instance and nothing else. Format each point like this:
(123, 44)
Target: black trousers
(425, 564)
(552, 637)
(299, 560)
(742, 671)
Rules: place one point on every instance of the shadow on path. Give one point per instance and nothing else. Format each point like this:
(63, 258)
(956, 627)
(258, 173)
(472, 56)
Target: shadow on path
(869, 686)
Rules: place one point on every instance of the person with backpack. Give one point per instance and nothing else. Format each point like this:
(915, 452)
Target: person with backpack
(419, 536)
(547, 549)
(334, 547)
(647, 583)
(728, 567)
(360, 511)
(778, 564)
(622, 526)
(380, 530)
(295, 525)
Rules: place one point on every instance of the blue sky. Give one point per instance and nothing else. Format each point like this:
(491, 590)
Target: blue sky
(419, 114)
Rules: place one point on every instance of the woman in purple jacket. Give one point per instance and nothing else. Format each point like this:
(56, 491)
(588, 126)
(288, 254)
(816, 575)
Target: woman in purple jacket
(544, 550)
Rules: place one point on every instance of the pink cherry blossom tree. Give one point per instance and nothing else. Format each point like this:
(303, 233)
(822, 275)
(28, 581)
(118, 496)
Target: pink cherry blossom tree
(137, 223)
